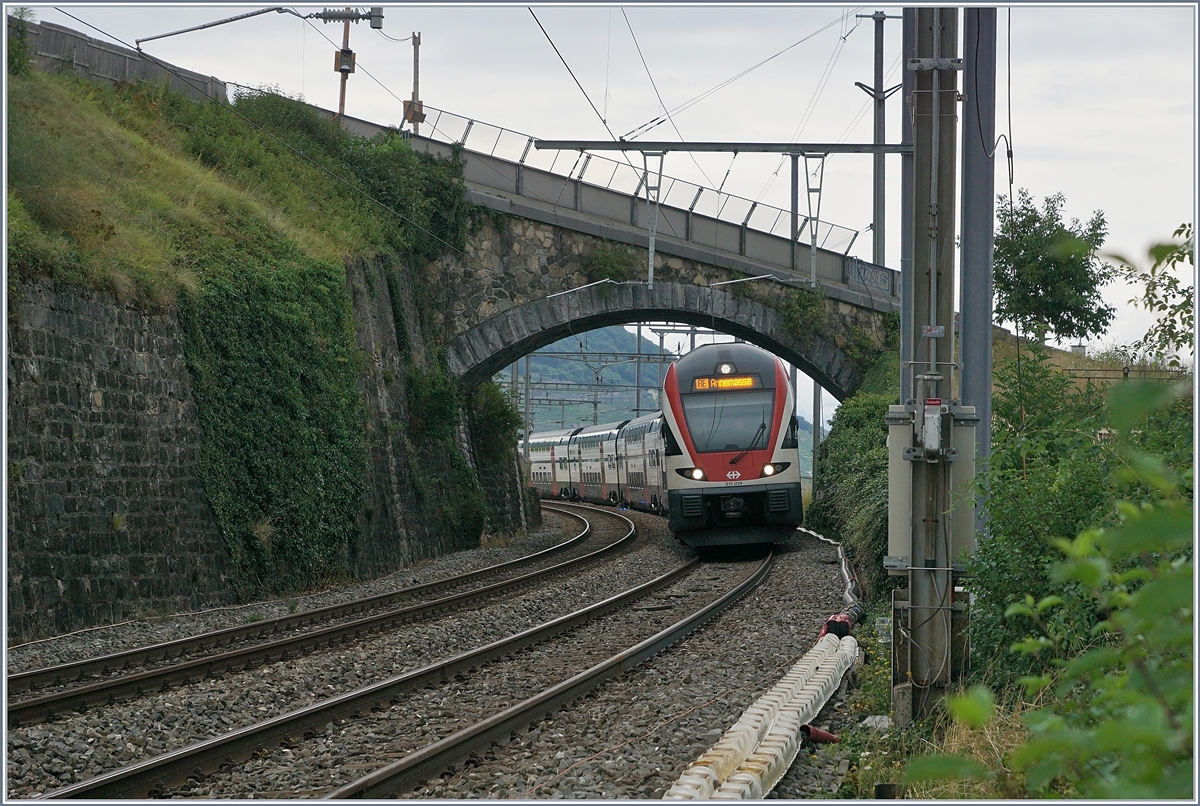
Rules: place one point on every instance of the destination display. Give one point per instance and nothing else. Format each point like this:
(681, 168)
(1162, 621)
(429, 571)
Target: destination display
(726, 382)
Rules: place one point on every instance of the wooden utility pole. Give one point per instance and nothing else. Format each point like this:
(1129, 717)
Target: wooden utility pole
(345, 66)
(416, 113)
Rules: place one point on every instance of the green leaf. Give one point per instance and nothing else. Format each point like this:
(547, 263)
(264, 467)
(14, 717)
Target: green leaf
(1049, 601)
(1033, 685)
(973, 708)
(1163, 598)
(1130, 401)
(1032, 645)
(944, 768)
(1090, 573)
(1164, 528)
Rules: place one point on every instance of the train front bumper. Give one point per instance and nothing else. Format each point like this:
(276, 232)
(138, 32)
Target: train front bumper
(749, 514)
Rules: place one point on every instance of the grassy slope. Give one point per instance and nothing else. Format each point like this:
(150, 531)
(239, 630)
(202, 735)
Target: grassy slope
(160, 200)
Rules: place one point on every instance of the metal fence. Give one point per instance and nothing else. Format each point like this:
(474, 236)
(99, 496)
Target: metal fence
(625, 176)
(721, 225)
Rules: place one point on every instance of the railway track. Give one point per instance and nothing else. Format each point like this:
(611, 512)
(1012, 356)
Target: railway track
(125, 684)
(220, 767)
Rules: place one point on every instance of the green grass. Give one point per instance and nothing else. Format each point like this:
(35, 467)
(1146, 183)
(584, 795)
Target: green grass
(164, 202)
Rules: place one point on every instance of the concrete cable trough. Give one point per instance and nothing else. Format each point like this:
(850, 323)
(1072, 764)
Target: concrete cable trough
(753, 755)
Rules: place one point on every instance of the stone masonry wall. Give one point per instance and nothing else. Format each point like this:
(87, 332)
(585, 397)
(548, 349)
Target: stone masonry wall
(107, 516)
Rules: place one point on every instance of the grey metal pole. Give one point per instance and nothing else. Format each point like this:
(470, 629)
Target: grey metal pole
(877, 225)
(909, 48)
(795, 205)
(528, 421)
(637, 404)
(978, 223)
(816, 432)
(658, 388)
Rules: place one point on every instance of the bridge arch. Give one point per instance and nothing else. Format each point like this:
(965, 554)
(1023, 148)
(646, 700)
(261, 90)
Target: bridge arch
(485, 349)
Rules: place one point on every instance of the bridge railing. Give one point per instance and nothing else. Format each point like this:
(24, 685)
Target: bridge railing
(624, 176)
(708, 225)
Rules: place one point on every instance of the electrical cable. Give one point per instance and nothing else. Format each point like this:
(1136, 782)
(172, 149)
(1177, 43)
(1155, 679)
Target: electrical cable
(572, 72)
(867, 105)
(688, 104)
(392, 38)
(812, 105)
(588, 99)
(659, 95)
(226, 105)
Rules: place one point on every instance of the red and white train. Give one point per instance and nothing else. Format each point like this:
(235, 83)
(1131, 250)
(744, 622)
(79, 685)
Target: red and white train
(720, 460)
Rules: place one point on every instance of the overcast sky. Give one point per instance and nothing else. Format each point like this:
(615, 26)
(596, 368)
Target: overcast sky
(1103, 97)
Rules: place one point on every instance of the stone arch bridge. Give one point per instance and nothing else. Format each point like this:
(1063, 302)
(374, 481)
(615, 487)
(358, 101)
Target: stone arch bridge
(501, 299)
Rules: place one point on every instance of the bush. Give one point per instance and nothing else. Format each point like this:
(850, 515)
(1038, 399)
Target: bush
(495, 422)
(1048, 476)
(610, 261)
(1119, 718)
(852, 466)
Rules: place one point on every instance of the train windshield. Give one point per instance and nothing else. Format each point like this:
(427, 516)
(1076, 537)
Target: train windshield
(735, 421)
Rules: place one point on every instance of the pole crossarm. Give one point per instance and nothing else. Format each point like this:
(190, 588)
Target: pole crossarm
(277, 9)
(768, 148)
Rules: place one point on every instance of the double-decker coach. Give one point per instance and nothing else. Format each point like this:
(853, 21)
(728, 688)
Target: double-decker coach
(593, 466)
(548, 462)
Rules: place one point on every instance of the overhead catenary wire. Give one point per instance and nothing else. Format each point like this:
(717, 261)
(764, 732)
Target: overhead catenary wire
(581, 89)
(650, 124)
(562, 59)
(822, 83)
(659, 95)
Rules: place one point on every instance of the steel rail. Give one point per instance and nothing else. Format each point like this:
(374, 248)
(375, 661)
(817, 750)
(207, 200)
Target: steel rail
(401, 775)
(39, 709)
(139, 656)
(154, 776)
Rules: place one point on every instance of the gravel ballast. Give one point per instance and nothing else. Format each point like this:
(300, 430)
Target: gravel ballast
(630, 739)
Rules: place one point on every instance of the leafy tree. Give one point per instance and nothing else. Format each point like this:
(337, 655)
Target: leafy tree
(18, 43)
(1165, 294)
(1047, 275)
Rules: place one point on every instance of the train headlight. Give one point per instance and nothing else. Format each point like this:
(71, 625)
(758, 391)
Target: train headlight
(768, 470)
(777, 467)
(697, 473)
(694, 473)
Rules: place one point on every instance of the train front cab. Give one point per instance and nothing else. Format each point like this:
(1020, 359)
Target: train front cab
(733, 471)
